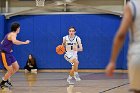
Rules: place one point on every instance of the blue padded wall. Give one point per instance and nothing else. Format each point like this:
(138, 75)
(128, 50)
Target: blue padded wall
(2, 31)
(46, 32)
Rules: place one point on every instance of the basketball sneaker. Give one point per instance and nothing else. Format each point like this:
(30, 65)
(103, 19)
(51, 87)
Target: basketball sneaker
(69, 80)
(77, 78)
(9, 83)
(3, 84)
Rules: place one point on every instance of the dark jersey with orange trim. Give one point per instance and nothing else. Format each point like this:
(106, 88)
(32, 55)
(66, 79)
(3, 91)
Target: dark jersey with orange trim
(6, 45)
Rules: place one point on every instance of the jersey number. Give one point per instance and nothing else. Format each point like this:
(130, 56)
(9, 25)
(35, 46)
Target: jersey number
(71, 47)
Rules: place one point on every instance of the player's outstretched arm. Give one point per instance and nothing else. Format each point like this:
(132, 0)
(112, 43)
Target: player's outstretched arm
(17, 42)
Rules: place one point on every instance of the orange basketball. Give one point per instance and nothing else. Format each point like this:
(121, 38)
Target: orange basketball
(60, 49)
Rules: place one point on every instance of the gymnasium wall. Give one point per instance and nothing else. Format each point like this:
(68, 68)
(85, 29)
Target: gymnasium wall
(2, 31)
(46, 31)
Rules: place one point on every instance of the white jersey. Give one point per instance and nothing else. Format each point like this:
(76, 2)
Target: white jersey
(71, 43)
(134, 46)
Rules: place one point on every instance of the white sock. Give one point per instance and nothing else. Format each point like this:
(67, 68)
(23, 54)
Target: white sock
(70, 77)
(75, 73)
(3, 79)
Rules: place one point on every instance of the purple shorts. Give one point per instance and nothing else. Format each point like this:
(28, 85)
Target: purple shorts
(7, 58)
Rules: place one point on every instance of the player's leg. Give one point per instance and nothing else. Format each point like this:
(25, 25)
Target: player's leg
(8, 65)
(71, 74)
(11, 65)
(6, 77)
(72, 71)
(76, 63)
(15, 69)
(134, 72)
(75, 68)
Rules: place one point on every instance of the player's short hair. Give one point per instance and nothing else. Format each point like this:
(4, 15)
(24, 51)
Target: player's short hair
(14, 26)
(72, 27)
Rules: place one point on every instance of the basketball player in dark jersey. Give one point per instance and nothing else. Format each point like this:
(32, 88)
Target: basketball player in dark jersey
(9, 61)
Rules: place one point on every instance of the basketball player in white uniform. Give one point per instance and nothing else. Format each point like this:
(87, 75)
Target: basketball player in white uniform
(131, 19)
(73, 45)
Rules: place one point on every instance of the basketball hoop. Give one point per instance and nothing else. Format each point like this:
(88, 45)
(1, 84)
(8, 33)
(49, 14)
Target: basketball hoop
(40, 2)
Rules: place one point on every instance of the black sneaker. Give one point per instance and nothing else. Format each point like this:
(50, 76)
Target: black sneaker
(9, 83)
(3, 84)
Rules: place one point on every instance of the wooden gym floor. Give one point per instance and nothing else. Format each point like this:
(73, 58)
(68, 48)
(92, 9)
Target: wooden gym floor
(53, 82)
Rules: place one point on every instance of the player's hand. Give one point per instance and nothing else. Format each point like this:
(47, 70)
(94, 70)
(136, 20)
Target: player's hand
(110, 69)
(27, 41)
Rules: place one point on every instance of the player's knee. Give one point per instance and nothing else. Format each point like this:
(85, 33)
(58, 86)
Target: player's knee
(76, 62)
(16, 68)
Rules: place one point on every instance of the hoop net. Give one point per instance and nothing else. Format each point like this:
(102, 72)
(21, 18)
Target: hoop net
(40, 2)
